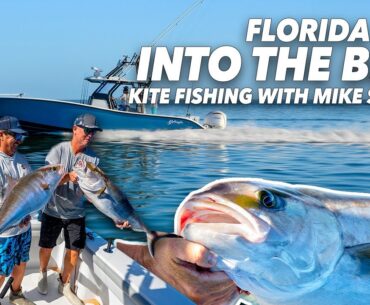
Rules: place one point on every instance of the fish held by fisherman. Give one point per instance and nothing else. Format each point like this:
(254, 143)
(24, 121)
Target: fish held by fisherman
(29, 194)
(110, 200)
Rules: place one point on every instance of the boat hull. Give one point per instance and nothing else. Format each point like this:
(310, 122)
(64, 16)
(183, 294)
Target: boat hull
(56, 115)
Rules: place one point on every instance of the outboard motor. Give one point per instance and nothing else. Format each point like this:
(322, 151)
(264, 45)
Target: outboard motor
(215, 119)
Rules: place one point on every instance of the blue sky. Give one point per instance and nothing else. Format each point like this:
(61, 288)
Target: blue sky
(48, 47)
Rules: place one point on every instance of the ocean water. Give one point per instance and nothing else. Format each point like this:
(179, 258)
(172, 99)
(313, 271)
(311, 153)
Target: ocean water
(327, 146)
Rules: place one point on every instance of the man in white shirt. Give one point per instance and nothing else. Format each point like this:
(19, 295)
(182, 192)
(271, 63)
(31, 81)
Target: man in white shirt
(66, 210)
(16, 241)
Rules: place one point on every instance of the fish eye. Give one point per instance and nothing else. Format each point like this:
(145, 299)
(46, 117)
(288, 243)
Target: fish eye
(267, 199)
(272, 201)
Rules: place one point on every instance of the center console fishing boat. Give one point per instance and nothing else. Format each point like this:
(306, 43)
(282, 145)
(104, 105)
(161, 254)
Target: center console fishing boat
(37, 114)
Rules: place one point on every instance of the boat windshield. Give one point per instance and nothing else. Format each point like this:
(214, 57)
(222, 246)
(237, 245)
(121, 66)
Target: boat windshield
(114, 87)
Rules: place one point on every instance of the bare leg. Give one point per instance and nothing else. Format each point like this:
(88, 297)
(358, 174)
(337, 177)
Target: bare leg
(70, 262)
(18, 274)
(44, 255)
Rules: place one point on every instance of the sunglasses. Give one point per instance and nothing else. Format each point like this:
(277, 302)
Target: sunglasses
(17, 136)
(88, 130)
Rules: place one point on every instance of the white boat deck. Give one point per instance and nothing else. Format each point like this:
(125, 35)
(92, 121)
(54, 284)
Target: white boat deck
(101, 278)
(30, 291)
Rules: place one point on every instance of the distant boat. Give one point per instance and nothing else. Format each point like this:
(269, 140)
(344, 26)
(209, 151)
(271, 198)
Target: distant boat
(37, 114)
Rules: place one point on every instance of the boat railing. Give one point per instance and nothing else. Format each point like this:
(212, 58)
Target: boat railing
(12, 94)
(111, 277)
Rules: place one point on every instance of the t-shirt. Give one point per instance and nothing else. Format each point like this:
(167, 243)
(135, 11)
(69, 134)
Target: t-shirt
(16, 167)
(67, 202)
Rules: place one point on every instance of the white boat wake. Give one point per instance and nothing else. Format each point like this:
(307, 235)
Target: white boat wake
(239, 134)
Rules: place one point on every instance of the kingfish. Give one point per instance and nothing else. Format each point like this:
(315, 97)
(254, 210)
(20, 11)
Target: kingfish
(106, 196)
(285, 244)
(29, 194)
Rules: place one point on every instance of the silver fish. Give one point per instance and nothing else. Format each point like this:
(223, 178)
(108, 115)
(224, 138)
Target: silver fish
(286, 244)
(106, 196)
(30, 194)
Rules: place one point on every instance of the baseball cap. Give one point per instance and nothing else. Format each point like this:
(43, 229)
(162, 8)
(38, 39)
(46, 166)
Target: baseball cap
(88, 121)
(11, 123)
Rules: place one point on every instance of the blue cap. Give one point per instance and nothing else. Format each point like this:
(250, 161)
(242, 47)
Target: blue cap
(88, 121)
(11, 123)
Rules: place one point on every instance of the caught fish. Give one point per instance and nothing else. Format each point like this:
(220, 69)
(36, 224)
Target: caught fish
(106, 196)
(30, 194)
(286, 244)
(109, 199)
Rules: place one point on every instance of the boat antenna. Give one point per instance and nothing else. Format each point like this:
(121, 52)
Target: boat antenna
(172, 25)
(188, 114)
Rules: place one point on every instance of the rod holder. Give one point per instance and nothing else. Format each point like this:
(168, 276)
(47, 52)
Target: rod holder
(109, 247)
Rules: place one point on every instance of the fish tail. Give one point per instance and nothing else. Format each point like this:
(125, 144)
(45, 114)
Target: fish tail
(151, 237)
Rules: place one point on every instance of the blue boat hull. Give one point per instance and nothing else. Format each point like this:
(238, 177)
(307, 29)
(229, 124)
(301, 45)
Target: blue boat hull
(55, 115)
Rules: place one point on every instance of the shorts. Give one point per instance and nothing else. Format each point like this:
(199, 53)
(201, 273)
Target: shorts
(74, 232)
(13, 251)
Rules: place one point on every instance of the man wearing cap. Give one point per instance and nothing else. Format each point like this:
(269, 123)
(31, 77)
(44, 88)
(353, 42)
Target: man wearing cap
(66, 210)
(16, 241)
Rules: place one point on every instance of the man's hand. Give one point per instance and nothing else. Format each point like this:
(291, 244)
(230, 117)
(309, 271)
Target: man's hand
(25, 221)
(71, 176)
(185, 265)
(123, 225)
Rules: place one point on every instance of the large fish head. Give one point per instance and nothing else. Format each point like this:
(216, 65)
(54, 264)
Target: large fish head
(51, 175)
(271, 239)
(89, 176)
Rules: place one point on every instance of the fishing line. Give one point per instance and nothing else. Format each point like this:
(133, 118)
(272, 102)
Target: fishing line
(167, 30)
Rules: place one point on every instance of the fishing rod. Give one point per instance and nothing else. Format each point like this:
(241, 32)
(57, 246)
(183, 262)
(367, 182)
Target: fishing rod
(172, 25)
(167, 30)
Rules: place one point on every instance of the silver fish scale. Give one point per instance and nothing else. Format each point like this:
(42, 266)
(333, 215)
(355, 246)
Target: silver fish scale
(30, 194)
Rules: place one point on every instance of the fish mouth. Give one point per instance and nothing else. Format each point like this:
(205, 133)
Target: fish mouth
(218, 213)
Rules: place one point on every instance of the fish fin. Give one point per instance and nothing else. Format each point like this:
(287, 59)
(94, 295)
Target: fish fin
(49, 167)
(90, 166)
(11, 183)
(45, 186)
(362, 253)
(8, 228)
(96, 169)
